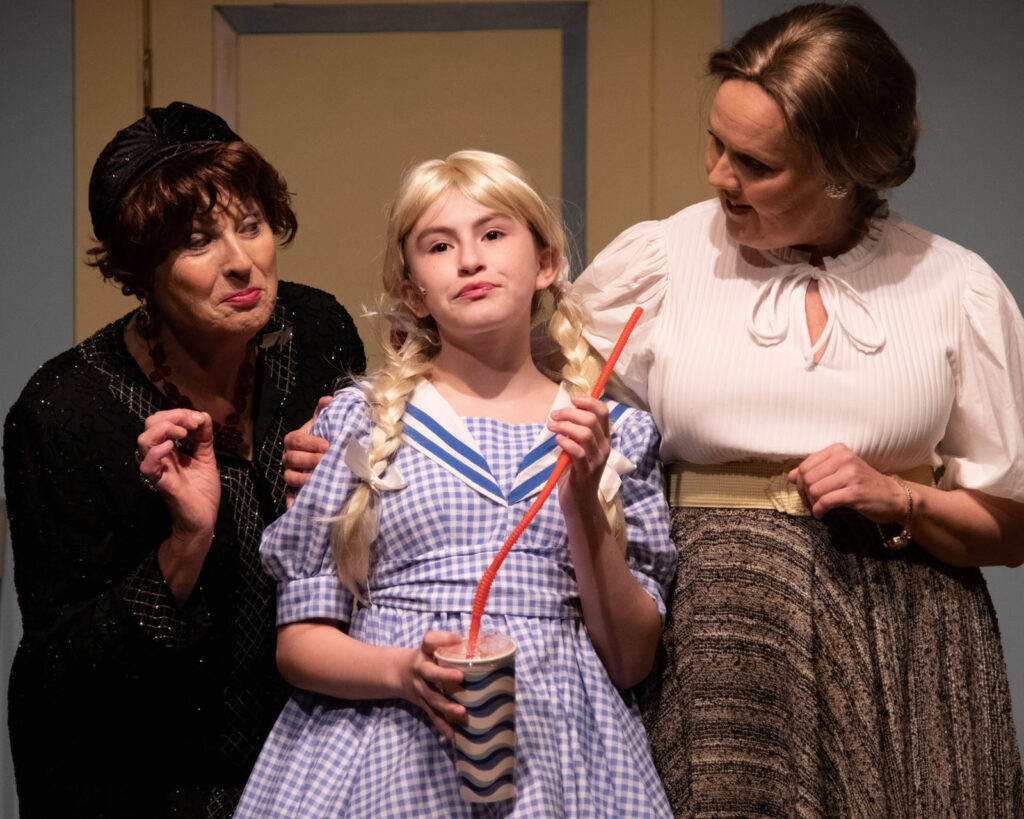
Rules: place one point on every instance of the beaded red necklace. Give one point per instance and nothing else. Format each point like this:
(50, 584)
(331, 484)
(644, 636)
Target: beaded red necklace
(227, 435)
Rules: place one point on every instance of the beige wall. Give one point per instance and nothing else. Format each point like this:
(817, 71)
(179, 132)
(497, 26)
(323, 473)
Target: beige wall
(341, 115)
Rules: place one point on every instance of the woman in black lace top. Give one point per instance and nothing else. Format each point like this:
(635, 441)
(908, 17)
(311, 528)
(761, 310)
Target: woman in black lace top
(141, 467)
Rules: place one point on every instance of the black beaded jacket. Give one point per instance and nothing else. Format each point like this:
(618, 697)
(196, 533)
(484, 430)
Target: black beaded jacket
(121, 703)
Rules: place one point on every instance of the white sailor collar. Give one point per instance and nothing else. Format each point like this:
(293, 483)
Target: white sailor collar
(434, 428)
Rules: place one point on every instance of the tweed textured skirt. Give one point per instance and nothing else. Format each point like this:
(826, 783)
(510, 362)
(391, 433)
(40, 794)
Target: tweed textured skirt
(807, 672)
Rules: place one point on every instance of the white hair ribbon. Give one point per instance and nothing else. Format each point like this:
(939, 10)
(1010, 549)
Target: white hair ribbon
(617, 464)
(357, 460)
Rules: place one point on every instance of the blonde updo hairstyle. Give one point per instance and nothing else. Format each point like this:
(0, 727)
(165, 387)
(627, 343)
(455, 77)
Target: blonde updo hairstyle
(410, 343)
(847, 93)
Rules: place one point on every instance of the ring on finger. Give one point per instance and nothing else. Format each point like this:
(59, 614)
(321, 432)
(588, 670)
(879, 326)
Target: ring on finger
(148, 482)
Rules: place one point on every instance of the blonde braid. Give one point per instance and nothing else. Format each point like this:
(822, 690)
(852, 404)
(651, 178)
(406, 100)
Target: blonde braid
(386, 394)
(581, 368)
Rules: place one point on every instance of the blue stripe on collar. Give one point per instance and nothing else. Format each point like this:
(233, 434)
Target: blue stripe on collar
(530, 486)
(539, 462)
(433, 427)
(430, 445)
(446, 438)
(538, 452)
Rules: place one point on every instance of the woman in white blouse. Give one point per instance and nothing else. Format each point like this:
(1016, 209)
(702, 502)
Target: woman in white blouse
(840, 396)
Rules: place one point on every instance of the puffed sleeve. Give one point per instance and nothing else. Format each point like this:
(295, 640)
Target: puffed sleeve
(983, 447)
(631, 272)
(296, 548)
(650, 552)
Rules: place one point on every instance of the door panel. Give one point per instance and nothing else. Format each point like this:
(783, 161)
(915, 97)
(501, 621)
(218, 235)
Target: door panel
(365, 107)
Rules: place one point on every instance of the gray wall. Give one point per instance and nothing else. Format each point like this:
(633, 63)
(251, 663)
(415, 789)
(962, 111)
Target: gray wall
(37, 234)
(969, 182)
(37, 196)
(969, 187)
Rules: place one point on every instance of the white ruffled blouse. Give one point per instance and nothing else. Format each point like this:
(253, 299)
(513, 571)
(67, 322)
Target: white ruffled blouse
(922, 356)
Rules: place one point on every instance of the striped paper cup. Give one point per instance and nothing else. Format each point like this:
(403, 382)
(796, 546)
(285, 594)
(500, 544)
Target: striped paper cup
(485, 759)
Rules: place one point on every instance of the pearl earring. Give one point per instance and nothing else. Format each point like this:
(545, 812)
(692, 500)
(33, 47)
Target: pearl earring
(836, 190)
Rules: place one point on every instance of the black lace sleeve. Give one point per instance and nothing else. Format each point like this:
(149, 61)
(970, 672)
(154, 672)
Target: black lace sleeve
(84, 532)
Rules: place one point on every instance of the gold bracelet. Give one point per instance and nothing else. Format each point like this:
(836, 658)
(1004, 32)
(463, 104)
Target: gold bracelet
(902, 540)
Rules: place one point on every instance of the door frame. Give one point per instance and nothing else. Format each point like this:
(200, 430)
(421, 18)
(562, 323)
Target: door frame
(232, 22)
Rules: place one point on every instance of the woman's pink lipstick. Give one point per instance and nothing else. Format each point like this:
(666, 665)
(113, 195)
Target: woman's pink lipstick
(245, 298)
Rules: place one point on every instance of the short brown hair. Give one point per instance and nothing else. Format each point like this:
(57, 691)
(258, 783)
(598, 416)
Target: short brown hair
(155, 216)
(847, 93)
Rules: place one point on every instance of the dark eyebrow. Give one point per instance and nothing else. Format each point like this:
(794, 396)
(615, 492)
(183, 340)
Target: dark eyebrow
(749, 158)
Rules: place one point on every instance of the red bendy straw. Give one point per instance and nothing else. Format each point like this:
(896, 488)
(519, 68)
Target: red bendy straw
(484, 587)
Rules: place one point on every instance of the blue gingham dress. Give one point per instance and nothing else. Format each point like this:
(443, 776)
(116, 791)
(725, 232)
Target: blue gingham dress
(581, 747)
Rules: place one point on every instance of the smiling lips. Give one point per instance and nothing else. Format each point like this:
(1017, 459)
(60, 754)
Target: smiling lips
(245, 298)
(476, 290)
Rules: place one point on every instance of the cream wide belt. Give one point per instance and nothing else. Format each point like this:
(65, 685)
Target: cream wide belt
(750, 485)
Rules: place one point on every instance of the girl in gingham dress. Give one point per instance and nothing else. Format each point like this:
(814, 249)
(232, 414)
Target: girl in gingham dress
(432, 463)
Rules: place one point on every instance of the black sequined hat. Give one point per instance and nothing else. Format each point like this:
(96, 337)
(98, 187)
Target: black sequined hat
(162, 134)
